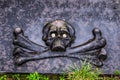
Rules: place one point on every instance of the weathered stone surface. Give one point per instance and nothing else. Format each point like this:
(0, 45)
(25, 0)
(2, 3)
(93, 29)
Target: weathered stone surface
(83, 15)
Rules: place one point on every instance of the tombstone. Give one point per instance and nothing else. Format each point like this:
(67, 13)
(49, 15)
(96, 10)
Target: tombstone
(51, 36)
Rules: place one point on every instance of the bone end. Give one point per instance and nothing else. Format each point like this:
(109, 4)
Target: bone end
(20, 61)
(18, 30)
(103, 54)
(97, 32)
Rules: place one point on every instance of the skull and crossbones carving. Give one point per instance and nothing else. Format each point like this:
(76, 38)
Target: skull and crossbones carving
(58, 36)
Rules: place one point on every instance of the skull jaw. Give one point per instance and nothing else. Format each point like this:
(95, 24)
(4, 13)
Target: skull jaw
(58, 48)
(58, 45)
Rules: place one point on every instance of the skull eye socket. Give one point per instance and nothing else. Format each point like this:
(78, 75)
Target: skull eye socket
(64, 35)
(53, 35)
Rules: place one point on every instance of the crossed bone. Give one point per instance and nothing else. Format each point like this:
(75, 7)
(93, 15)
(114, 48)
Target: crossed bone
(92, 50)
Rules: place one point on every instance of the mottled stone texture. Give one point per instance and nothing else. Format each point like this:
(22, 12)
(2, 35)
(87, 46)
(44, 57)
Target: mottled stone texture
(83, 15)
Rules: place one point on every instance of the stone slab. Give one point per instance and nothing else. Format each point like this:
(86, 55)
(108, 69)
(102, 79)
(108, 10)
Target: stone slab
(83, 15)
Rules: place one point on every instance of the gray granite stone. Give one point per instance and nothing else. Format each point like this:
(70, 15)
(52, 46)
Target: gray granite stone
(83, 15)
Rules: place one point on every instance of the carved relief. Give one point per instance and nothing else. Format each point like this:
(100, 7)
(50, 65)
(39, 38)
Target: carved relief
(59, 36)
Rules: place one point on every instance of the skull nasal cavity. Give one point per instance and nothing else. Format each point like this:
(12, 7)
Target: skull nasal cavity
(58, 45)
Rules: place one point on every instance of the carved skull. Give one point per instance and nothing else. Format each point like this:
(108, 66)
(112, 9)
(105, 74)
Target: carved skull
(58, 35)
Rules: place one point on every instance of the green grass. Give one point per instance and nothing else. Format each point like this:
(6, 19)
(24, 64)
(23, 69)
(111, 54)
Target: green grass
(86, 72)
(117, 72)
(4, 77)
(37, 76)
(16, 76)
(71, 76)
